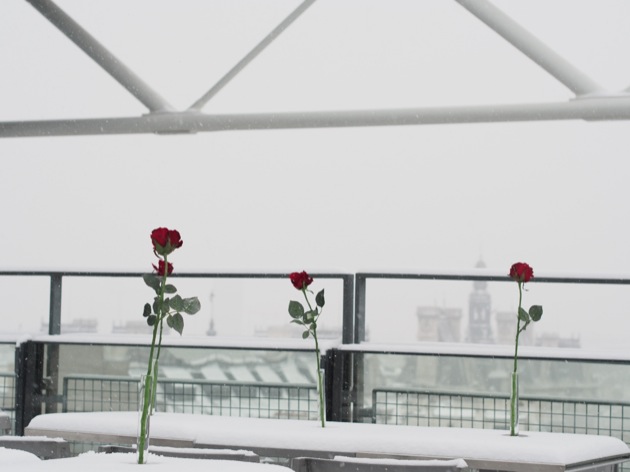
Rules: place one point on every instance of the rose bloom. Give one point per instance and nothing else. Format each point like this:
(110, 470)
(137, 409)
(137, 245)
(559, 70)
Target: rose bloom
(175, 238)
(165, 240)
(521, 272)
(160, 268)
(300, 280)
(159, 236)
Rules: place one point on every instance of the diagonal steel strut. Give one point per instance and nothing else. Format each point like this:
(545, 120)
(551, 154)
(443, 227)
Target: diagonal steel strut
(556, 65)
(198, 105)
(101, 55)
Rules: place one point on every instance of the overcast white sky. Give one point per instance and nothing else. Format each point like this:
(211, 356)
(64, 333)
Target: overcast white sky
(416, 198)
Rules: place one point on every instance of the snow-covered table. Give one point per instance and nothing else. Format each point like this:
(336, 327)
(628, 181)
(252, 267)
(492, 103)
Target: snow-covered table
(482, 449)
(15, 460)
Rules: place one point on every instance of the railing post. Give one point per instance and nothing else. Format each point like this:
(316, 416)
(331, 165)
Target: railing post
(339, 394)
(54, 327)
(54, 315)
(355, 366)
(29, 369)
(347, 335)
(359, 308)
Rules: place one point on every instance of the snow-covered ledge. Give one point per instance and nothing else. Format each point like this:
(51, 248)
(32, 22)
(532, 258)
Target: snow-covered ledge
(480, 448)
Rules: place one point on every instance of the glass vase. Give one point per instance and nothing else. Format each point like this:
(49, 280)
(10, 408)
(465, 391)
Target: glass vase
(514, 427)
(321, 397)
(145, 397)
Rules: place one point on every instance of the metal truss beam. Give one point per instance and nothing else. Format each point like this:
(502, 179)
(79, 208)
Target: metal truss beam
(592, 109)
(591, 104)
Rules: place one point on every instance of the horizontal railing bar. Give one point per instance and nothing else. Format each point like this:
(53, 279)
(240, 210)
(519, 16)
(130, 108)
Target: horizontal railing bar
(494, 278)
(197, 342)
(498, 396)
(226, 275)
(226, 383)
(329, 275)
(494, 351)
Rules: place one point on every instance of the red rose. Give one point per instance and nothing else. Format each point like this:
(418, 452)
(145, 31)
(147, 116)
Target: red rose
(300, 280)
(165, 240)
(521, 272)
(159, 236)
(175, 238)
(160, 268)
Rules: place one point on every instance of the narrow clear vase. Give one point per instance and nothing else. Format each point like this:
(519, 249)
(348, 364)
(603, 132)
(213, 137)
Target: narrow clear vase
(145, 394)
(514, 427)
(321, 397)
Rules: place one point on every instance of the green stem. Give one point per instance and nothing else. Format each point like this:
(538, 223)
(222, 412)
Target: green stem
(320, 389)
(146, 403)
(518, 325)
(149, 396)
(155, 365)
(514, 383)
(322, 413)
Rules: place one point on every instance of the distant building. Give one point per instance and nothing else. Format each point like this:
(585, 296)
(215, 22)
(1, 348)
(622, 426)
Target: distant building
(211, 331)
(506, 329)
(506, 333)
(292, 330)
(479, 312)
(133, 327)
(79, 325)
(439, 324)
(555, 340)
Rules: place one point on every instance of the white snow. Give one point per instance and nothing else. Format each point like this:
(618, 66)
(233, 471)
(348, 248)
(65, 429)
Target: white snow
(10, 457)
(29, 438)
(101, 462)
(489, 350)
(200, 451)
(179, 373)
(213, 372)
(242, 374)
(452, 463)
(189, 341)
(345, 438)
(268, 374)
(486, 272)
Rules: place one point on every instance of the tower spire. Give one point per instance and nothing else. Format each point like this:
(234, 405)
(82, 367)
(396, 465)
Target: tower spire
(479, 310)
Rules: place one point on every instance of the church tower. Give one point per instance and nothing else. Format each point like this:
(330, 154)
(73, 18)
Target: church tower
(479, 306)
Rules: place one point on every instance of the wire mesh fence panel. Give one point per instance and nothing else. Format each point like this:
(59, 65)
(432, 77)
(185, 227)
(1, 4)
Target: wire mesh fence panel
(82, 393)
(430, 408)
(7, 397)
(99, 394)
(7, 392)
(439, 409)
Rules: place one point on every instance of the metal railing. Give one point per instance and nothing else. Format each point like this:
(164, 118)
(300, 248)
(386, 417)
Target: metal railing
(57, 278)
(352, 373)
(258, 400)
(476, 275)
